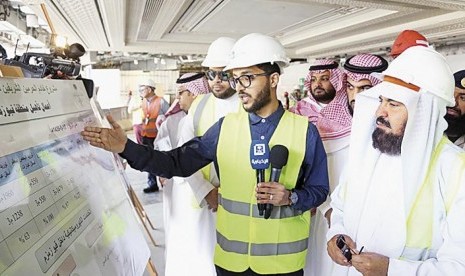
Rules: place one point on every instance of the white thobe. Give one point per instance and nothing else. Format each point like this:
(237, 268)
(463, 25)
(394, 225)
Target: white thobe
(193, 233)
(318, 261)
(460, 142)
(167, 139)
(380, 221)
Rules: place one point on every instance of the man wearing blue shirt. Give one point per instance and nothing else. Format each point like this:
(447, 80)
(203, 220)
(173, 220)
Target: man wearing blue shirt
(247, 244)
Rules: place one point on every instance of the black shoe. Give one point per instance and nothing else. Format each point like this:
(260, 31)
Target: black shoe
(151, 189)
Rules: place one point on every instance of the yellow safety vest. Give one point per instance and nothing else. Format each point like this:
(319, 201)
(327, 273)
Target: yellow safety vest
(245, 239)
(204, 118)
(420, 221)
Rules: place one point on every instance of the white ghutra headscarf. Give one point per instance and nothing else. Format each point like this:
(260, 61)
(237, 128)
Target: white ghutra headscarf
(420, 79)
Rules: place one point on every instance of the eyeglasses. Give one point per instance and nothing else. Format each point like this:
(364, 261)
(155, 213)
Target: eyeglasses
(211, 75)
(142, 89)
(245, 80)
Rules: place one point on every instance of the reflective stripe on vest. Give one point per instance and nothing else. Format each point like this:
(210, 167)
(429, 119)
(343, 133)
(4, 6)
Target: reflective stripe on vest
(246, 240)
(420, 220)
(242, 208)
(261, 249)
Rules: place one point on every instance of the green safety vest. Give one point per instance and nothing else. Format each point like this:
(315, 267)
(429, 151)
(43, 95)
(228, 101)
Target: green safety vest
(420, 221)
(245, 239)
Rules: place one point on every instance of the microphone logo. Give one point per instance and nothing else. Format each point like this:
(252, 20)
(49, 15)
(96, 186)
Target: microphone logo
(260, 161)
(259, 155)
(259, 149)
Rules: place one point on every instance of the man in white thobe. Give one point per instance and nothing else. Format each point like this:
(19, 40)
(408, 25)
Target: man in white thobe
(179, 213)
(403, 195)
(207, 110)
(326, 107)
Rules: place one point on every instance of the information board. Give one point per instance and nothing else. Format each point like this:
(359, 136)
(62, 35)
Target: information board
(63, 207)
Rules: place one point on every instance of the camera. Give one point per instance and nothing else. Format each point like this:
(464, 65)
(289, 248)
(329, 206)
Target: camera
(39, 65)
(345, 250)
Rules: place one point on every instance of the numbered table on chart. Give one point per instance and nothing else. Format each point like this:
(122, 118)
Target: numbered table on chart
(36, 193)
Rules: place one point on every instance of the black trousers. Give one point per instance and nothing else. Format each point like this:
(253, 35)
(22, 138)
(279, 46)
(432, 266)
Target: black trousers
(152, 179)
(223, 272)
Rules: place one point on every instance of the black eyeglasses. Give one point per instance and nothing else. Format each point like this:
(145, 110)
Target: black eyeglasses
(245, 80)
(211, 75)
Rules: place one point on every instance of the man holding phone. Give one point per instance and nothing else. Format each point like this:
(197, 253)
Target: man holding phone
(402, 197)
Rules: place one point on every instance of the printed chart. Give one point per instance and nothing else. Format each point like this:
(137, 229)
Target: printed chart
(63, 205)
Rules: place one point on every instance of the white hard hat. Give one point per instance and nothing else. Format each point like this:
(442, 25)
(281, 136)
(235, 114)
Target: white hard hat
(147, 82)
(425, 68)
(219, 52)
(256, 48)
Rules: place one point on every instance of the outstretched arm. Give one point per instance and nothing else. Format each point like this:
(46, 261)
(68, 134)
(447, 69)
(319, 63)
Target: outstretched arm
(182, 161)
(111, 139)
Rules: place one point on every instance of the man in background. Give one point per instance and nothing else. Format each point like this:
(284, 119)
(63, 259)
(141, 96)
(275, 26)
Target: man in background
(152, 107)
(326, 107)
(455, 115)
(207, 110)
(326, 104)
(358, 69)
(181, 212)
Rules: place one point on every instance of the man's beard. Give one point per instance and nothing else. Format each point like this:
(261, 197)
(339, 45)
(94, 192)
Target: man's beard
(263, 98)
(387, 143)
(225, 94)
(325, 97)
(456, 126)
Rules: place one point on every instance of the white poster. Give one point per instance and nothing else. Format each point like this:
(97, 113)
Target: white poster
(63, 206)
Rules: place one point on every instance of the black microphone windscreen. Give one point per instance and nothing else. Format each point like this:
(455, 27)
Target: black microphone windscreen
(278, 156)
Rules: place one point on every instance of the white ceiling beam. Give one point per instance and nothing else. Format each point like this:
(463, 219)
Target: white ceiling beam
(390, 30)
(114, 18)
(311, 31)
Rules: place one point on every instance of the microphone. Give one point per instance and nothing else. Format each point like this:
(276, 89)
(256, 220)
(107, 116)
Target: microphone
(259, 159)
(278, 158)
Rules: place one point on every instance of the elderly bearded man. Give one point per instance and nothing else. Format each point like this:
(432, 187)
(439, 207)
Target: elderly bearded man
(357, 69)
(402, 198)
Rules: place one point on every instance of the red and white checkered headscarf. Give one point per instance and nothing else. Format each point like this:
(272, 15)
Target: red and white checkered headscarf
(334, 120)
(198, 85)
(336, 76)
(366, 63)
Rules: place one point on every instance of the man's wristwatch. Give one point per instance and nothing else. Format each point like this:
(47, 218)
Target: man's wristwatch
(293, 197)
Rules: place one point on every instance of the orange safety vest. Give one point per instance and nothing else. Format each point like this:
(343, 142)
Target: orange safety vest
(150, 111)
